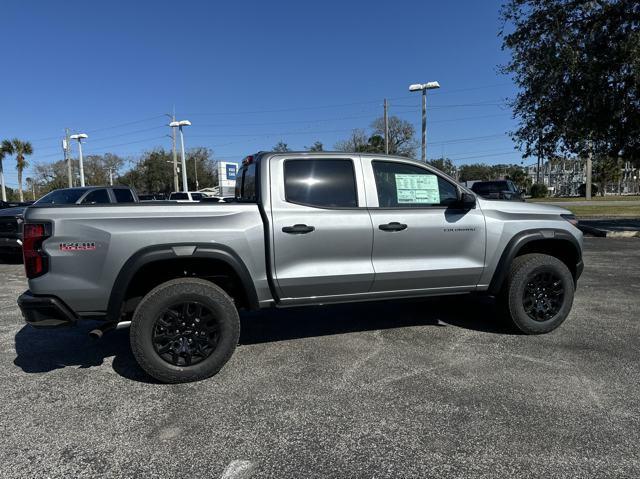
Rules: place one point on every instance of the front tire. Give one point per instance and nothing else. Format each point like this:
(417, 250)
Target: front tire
(539, 293)
(184, 330)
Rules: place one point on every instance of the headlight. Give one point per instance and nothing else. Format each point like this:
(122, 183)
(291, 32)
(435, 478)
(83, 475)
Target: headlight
(571, 219)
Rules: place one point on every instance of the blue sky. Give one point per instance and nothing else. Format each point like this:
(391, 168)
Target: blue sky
(248, 74)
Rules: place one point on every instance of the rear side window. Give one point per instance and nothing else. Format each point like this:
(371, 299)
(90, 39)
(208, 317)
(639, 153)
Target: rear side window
(62, 197)
(321, 183)
(96, 197)
(179, 196)
(401, 185)
(246, 184)
(123, 195)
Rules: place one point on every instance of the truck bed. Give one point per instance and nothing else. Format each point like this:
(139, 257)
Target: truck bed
(106, 236)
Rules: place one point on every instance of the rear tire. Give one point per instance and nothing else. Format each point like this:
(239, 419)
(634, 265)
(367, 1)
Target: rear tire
(538, 293)
(184, 330)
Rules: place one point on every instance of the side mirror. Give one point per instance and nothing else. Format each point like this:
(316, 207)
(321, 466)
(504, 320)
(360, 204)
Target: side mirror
(467, 200)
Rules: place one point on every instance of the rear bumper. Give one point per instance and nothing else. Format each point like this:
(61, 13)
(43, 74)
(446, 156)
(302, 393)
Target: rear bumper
(45, 311)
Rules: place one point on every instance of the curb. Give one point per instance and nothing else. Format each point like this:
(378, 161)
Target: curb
(602, 233)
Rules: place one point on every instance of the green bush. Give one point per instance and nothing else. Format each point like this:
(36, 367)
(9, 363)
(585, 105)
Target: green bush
(582, 189)
(539, 190)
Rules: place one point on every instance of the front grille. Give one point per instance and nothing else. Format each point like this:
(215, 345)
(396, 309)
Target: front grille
(9, 227)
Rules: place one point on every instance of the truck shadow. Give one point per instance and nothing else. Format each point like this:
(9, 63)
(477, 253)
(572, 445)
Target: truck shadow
(473, 313)
(43, 351)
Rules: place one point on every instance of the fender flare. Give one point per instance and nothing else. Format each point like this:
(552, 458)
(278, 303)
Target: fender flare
(522, 238)
(166, 251)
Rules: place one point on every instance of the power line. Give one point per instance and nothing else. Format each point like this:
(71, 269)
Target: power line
(94, 140)
(108, 147)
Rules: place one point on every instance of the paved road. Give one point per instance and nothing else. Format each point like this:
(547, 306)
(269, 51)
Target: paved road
(434, 388)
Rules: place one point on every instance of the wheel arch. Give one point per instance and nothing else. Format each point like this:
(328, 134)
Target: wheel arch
(554, 242)
(178, 253)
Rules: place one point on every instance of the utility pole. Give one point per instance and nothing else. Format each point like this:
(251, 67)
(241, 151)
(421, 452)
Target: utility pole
(386, 128)
(110, 176)
(67, 156)
(588, 172)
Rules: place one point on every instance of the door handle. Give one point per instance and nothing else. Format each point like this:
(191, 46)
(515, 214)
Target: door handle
(393, 226)
(298, 229)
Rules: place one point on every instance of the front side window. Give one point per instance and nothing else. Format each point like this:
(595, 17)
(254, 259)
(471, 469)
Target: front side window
(96, 197)
(321, 183)
(400, 185)
(196, 196)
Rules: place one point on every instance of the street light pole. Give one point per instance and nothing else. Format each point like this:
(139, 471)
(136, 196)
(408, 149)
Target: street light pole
(180, 124)
(80, 137)
(423, 87)
(176, 185)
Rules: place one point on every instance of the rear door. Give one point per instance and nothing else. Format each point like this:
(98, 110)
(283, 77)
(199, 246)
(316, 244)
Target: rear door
(422, 241)
(322, 233)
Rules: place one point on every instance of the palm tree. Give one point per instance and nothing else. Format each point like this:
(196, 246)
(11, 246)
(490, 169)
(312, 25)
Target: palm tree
(20, 149)
(4, 192)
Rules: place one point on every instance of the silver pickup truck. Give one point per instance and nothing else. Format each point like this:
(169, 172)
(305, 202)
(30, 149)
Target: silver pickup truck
(304, 229)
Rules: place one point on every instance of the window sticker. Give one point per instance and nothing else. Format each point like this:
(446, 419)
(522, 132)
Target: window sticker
(417, 189)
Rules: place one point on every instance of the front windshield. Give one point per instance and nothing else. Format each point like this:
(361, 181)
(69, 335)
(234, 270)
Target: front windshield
(67, 196)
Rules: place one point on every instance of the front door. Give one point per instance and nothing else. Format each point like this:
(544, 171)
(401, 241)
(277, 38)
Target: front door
(421, 241)
(322, 233)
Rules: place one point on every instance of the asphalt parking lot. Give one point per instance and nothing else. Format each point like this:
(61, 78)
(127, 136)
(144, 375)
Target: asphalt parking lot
(432, 388)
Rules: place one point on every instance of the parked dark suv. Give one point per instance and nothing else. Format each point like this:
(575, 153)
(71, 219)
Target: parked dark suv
(498, 190)
(11, 218)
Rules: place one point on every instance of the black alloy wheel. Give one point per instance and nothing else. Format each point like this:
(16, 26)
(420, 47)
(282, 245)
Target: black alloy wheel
(543, 296)
(186, 333)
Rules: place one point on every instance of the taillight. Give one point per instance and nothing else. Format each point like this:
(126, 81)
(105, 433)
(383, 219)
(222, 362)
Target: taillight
(36, 261)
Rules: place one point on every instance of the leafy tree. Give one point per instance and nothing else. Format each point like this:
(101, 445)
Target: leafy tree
(152, 173)
(539, 190)
(445, 165)
(281, 146)
(401, 136)
(577, 69)
(20, 149)
(519, 177)
(206, 168)
(52, 176)
(606, 170)
(357, 142)
(95, 171)
(478, 171)
(317, 146)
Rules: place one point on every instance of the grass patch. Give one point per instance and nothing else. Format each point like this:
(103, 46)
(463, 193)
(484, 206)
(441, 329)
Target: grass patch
(604, 211)
(581, 198)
